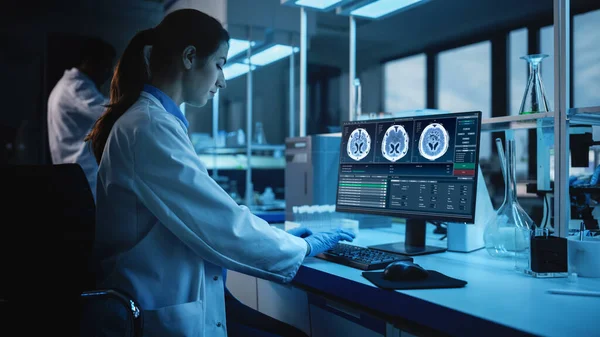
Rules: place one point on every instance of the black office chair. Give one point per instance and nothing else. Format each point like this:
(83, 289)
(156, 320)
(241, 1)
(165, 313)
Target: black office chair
(46, 237)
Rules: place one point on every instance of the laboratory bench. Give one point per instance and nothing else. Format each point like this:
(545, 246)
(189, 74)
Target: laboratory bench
(329, 299)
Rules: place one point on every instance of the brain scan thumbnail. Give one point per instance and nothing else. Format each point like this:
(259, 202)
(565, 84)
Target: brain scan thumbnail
(359, 144)
(434, 141)
(394, 145)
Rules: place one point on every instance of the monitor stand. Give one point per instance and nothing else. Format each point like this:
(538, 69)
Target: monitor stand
(414, 243)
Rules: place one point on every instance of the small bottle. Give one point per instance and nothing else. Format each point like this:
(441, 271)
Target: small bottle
(268, 196)
(259, 134)
(233, 191)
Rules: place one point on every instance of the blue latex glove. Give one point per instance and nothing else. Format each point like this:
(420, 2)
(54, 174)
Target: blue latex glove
(572, 180)
(579, 182)
(322, 241)
(300, 232)
(595, 176)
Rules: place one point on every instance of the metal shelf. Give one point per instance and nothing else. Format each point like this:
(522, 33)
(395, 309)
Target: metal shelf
(240, 149)
(584, 115)
(531, 121)
(240, 162)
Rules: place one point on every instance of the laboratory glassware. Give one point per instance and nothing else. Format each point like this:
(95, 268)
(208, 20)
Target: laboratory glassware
(500, 231)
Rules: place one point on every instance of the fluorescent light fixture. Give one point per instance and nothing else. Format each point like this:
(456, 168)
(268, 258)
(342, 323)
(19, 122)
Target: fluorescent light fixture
(379, 8)
(272, 54)
(318, 4)
(238, 46)
(234, 70)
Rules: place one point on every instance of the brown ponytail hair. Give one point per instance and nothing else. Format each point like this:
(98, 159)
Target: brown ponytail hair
(176, 31)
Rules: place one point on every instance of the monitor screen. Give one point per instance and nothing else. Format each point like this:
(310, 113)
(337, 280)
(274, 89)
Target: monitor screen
(418, 167)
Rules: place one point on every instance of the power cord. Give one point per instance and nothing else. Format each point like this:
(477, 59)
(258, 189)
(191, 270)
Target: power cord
(440, 228)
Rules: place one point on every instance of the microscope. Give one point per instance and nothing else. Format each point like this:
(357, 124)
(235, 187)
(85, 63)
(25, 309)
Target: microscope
(584, 194)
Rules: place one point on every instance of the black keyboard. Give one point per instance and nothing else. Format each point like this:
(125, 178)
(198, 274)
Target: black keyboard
(361, 257)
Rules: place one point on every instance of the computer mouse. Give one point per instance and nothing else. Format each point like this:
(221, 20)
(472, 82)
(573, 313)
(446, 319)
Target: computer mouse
(404, 271)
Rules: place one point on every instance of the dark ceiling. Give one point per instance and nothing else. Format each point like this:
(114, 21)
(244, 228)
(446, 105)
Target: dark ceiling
(429, 26)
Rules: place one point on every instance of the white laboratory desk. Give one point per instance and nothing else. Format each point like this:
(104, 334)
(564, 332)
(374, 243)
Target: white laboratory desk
(497, 301)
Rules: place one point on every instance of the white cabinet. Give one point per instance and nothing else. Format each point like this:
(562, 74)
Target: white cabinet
(285, 303)
(314, 314)
(243, 287)
(331, 319)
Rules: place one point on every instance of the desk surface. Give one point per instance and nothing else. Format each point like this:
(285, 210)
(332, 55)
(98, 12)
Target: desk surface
(496, 301)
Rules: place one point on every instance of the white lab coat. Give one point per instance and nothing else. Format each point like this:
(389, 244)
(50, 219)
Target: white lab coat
(74, 106)
(165, 228)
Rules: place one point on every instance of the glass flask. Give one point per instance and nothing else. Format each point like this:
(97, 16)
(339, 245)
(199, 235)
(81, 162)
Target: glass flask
(500, 232)
(534, 99)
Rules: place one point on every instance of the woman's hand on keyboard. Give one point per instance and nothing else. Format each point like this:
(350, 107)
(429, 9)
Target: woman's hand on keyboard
(323, 241)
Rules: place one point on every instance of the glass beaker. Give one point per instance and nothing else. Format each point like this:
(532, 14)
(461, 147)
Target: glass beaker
(500, 231)
(534, 99)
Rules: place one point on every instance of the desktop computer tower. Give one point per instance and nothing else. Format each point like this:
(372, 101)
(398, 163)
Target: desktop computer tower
(311, 171)
(311, 176)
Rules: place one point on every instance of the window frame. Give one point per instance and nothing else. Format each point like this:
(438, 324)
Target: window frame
(500, 71)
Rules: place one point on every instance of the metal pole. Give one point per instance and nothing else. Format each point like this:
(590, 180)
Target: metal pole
(292, 97)
(562, 47)
(303, 47)
(249, 188)
(352, 70)
(215, 132)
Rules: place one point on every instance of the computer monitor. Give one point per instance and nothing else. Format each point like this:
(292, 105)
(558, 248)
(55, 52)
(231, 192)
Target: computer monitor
(420, 168)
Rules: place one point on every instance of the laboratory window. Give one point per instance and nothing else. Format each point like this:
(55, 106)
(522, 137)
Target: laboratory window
(405, 83)
(464, 84)
(518, 73)
(586, 59)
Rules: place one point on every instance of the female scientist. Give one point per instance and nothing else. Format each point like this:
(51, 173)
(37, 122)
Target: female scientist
(165, 229)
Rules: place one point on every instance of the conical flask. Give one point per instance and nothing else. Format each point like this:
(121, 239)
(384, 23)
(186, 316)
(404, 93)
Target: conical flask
(534, 100)
(499, 234)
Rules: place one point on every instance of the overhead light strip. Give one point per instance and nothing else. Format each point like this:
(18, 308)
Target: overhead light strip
(318, 4)
(237, 46)
(234, 70)
(380, 8)
(271, 54)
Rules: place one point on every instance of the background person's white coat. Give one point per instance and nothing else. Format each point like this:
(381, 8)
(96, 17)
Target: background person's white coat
(165, 228)
(74, 105)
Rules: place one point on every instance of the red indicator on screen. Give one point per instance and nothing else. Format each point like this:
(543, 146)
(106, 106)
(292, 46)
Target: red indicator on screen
(464, 172)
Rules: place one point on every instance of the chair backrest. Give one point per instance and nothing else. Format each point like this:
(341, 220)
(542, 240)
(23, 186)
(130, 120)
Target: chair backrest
(46, 236)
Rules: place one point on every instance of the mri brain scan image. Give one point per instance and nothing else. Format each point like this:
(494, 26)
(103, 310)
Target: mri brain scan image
(359, 144)
(434, 141)
(394, 145)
